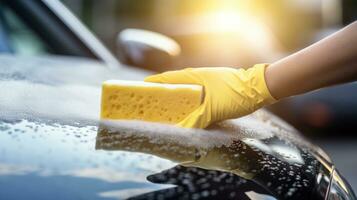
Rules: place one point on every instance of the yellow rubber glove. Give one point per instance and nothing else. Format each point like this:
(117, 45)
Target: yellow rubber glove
(229, 92)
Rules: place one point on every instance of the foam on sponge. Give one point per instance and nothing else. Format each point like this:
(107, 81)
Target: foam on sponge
(155, 102)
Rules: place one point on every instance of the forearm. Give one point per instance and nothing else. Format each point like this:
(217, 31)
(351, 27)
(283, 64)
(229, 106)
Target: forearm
(330, 61)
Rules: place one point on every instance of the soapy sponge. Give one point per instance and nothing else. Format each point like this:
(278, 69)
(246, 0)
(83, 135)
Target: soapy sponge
(155, 102)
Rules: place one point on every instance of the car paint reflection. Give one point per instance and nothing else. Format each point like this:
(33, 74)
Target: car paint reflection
(54, 161)
(278, 166)
(66, 151)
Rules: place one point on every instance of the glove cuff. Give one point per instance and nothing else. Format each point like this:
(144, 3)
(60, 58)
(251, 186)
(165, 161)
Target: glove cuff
(261, 84)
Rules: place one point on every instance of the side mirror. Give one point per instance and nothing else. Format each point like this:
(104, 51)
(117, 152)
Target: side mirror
(147, 49)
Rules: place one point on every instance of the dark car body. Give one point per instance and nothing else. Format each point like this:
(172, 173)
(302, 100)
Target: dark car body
(52, 145)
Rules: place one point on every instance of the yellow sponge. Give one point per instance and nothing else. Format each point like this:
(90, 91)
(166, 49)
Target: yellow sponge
(156, 102)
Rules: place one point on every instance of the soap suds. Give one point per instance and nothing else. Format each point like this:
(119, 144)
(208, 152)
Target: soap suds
(63, 103)
(171, 134)
(55, 88)
(223, 133)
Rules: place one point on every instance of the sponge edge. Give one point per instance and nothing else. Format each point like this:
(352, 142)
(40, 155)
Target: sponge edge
(155, 102)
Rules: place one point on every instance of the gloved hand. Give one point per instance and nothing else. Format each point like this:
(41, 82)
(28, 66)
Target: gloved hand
(229, 92)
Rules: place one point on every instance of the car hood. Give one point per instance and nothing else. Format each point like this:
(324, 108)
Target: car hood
(53, 146)
(56, 88)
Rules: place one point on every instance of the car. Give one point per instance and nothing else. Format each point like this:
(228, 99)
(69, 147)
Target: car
(53, 145)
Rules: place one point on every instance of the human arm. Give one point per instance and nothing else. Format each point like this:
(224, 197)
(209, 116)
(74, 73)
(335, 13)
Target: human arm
(331, 61)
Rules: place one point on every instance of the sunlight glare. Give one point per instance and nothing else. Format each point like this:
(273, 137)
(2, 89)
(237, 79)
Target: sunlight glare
(248, 27)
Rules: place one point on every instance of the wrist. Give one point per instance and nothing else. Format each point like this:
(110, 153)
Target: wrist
(272, 82)
(261, 84)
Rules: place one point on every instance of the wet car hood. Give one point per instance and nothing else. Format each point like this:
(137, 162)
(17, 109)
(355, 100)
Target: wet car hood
(52, 145)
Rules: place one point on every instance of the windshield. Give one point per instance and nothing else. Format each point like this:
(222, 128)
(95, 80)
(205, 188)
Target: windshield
(17, 37)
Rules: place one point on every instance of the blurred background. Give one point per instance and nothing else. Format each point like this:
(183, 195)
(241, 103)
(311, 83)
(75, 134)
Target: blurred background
(219, 32)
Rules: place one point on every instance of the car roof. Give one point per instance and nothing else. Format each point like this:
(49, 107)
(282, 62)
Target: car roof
(50, 136)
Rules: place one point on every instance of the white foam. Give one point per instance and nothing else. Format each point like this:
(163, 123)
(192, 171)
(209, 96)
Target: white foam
(222, 134)
(33, 101)
(64, 89)
(166, 134)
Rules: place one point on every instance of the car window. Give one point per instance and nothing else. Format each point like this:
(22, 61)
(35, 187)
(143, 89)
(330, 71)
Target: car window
(16, 37)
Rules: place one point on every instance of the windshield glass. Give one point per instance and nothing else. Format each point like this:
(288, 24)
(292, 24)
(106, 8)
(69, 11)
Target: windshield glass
(17, 37)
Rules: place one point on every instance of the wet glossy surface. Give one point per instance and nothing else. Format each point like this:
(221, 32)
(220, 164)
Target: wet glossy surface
(53, 147)
(60, 162)
(63, 157)
(263, 155)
